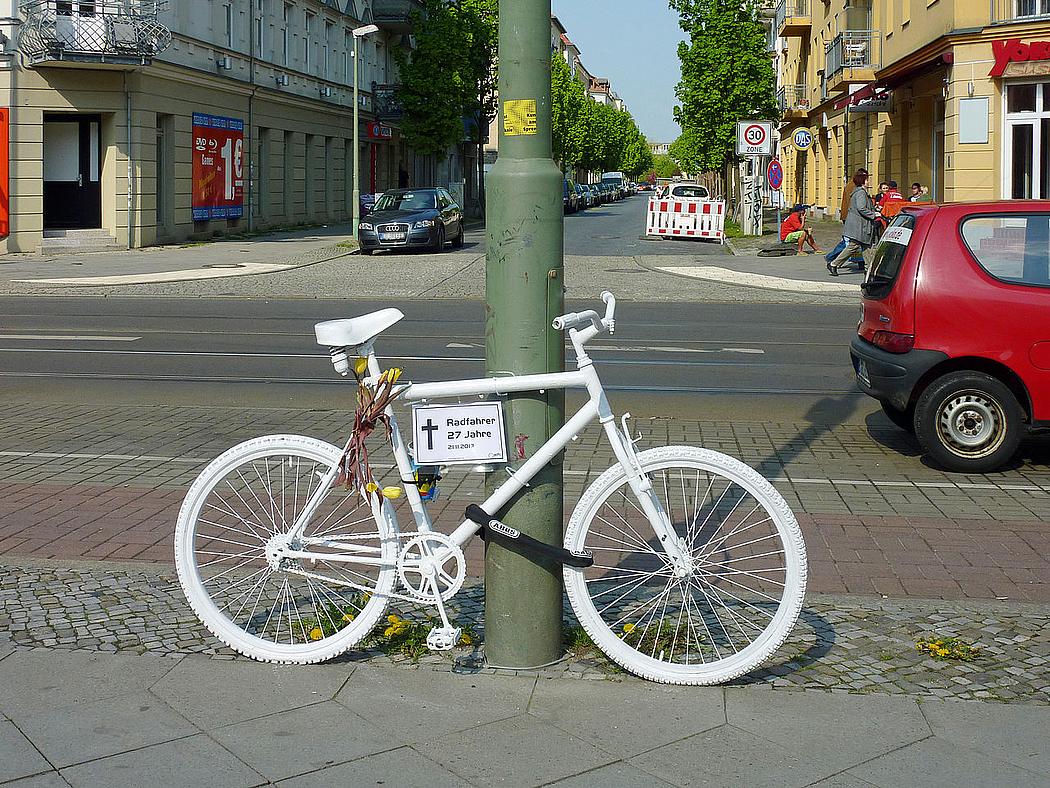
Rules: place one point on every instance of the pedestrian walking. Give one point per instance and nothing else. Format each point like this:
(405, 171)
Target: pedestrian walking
(860, 222)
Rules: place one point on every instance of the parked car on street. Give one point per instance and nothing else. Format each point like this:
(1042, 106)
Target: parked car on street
(954, 338)
(412, 218)
(570, 200)
(581, 197)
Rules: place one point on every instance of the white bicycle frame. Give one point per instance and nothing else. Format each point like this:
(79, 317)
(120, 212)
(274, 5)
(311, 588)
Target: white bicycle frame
(585, 377)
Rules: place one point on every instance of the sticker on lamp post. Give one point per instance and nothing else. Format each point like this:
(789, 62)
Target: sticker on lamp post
(459, 434)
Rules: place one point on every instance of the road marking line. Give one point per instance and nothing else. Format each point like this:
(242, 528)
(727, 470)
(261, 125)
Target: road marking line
(164, 276)
(44, 455)
(641, 348)
(68, 338)
(716, 274)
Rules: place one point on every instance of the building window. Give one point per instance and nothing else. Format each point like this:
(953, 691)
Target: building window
(348, 46)
(326, 47)
(227, 11)
(308, 24)
(1032, 7)
(1027, 169)
(260, 26)
(286, 18)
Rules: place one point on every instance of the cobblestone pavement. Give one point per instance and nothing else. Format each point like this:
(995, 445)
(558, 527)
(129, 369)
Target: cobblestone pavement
(106, 483)
(843, 644)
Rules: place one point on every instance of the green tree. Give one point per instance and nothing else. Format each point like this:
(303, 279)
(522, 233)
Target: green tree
(727, 76)
(665, 167)
(450, 75)
(567, 114)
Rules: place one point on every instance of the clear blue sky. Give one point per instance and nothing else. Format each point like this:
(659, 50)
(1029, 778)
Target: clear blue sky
(611, 35)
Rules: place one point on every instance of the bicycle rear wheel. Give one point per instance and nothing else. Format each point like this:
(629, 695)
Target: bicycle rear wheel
(720, 616)
(294, 611)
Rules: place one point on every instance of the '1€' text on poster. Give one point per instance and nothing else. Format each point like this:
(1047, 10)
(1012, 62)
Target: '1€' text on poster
(218, 167)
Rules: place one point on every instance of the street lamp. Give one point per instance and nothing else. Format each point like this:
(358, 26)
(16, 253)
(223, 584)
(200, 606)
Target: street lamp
(359, 33)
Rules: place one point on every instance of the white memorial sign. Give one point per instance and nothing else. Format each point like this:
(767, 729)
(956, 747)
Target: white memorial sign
(459, 434)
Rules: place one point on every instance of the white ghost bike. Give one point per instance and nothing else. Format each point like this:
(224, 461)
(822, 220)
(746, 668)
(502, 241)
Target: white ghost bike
(683, 565)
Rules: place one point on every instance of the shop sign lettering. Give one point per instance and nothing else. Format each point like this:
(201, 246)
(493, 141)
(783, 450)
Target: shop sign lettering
(1014, 50)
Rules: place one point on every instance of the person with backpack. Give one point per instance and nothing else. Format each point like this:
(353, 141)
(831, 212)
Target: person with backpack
(860, 228)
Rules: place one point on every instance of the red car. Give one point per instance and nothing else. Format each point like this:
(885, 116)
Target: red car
(954, 338)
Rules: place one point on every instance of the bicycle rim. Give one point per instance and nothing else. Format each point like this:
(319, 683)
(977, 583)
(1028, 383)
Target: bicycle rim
(299, 611)
(724, 613)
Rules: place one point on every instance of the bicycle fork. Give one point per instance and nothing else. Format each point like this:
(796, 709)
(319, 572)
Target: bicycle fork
(679, 558)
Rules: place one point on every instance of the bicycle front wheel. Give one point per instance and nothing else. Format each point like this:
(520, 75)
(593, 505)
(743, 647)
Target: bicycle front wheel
(724, 610)
(279, 609)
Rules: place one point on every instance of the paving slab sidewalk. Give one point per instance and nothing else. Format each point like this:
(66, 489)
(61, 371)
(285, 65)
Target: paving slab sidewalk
(82, 717)
(264, 254)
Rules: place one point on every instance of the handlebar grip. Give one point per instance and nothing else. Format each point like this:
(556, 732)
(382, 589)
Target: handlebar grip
(565, 321)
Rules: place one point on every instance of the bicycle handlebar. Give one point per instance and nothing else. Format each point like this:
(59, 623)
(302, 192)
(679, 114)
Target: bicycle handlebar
(574, 319)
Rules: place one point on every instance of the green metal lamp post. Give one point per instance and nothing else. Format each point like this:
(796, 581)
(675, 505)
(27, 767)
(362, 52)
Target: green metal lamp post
(524, 281)
(355, 209)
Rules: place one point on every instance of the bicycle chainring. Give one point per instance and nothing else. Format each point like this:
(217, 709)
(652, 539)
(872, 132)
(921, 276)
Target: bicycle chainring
(431, 565)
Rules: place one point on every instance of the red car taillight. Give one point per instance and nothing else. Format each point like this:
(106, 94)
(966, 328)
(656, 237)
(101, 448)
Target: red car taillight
(892, 342)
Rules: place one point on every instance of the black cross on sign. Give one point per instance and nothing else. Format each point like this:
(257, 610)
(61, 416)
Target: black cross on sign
(430, 428)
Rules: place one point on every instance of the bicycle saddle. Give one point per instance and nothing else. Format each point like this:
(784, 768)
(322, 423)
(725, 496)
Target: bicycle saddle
(355, 331)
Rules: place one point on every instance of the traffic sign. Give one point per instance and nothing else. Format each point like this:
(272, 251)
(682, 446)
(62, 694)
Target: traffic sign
(754, 138)
(775, 175)
(803, 139)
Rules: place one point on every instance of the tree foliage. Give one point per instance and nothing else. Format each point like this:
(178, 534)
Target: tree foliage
(450, 75)
(665, 166)
(727, 75)
(590, 134)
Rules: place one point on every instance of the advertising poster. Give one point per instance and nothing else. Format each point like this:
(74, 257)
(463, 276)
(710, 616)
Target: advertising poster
(218, 167)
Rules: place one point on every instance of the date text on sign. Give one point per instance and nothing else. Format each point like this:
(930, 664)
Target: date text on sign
(459, 434)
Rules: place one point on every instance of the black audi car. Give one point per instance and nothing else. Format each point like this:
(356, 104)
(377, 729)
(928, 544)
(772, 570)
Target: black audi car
(412, 218)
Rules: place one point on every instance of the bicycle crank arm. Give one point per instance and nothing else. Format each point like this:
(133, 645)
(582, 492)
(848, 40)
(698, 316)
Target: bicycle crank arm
(501, 533)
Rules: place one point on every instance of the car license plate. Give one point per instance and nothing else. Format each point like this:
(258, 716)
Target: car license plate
(862, 373)
(392, 236)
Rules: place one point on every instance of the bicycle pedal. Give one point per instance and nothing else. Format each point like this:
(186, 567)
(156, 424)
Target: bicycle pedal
(444, 638)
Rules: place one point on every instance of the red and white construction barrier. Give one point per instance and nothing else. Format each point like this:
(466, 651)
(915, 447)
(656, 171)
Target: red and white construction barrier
(686, 218)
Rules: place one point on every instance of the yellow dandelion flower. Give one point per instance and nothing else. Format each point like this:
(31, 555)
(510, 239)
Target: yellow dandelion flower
(347, 617)
(628, 628)
(465, 639)
(392, 618)
(316, 633)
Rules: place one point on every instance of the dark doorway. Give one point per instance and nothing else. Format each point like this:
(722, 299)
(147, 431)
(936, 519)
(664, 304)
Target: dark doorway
(72, 172)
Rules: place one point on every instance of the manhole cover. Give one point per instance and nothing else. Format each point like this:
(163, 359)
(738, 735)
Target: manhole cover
(223, 265)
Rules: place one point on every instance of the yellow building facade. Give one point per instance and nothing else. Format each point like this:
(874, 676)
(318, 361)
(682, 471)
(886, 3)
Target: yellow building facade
(953, 94)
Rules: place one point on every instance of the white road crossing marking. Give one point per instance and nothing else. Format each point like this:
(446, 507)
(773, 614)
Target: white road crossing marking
(714, 273)
(67, 338)
(164, 276)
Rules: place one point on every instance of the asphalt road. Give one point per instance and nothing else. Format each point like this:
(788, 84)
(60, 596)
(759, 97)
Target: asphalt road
(734, 357)
(614, 230)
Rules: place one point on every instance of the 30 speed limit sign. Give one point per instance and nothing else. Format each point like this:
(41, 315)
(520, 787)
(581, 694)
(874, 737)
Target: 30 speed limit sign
(754, 138)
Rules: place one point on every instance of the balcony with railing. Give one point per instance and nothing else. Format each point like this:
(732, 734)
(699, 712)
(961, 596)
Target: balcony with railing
(794, 102)
(1006, 11)
(793, 18)
(395, 16)
(114, 33)
(853, 56)
(386, 104)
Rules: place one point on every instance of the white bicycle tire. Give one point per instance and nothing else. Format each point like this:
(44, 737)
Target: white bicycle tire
(204, 606)
(722, 670)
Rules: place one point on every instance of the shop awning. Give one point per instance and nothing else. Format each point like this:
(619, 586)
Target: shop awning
(875, 93)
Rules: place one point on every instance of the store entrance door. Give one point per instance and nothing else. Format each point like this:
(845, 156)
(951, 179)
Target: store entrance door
(72, 163)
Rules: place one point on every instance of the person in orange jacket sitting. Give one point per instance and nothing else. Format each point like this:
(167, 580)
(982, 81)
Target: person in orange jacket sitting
(794, 229)
(892, 202)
